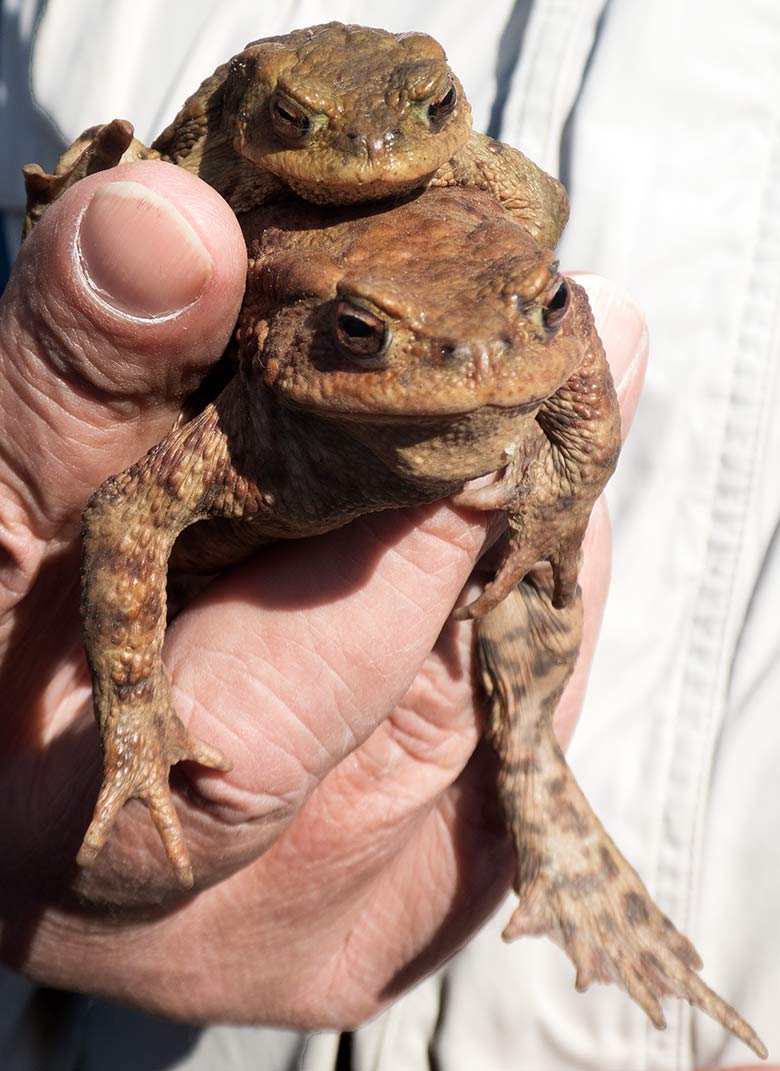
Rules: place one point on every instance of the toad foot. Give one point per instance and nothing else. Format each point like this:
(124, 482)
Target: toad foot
(534, 535)
(137, 764)
(97, 149)
(593, 904)
(572, 882)
(519, 557)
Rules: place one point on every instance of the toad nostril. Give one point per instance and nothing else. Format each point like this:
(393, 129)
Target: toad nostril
(475, 359)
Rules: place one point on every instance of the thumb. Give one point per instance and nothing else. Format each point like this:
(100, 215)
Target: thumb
(120, 299)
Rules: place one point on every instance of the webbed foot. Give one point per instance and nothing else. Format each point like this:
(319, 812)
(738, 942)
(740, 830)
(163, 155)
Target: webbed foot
(518, 559)
(593, 904)
(139, 748)
(572, 882)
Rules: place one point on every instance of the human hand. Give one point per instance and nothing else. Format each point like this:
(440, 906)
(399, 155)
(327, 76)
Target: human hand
(752, 1067)
(317, 668)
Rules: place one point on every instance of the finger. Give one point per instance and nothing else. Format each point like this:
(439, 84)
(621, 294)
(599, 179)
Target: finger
(435, 722)
(120, 299)
(339, 626)
(623, 331)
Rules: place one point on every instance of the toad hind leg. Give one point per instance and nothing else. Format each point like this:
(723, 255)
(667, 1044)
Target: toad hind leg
(129, 527)
(572, 881)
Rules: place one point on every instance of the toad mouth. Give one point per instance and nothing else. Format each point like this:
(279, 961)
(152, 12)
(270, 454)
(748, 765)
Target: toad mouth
(428, 416)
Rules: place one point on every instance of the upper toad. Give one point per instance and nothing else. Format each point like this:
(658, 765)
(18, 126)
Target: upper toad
(338, 114)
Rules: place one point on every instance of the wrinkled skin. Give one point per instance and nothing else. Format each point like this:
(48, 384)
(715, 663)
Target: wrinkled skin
(338, 114)
(362, 379)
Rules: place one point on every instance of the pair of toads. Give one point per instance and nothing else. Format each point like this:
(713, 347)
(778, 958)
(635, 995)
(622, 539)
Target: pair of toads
(404, 331)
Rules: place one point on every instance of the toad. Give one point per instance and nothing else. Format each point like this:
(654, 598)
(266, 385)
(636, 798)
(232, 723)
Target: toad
(338, 114)
(360, 379)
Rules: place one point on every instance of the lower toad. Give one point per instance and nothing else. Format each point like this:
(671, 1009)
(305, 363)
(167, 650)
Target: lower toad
(382, 359)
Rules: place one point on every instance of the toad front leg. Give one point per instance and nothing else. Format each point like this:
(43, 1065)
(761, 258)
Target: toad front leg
(531, 196)
(572, 881)
(552, 480)
(129, 527)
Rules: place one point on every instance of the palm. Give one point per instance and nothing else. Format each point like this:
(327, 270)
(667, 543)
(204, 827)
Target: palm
(398, 834)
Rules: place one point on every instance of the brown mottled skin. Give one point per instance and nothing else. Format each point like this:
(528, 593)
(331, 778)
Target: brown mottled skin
(340, 115)
(358, 352)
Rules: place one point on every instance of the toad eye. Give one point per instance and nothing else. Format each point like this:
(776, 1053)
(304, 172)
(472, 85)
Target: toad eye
(360, 333)
(291, 122)
(556, 304)
(438, 110)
